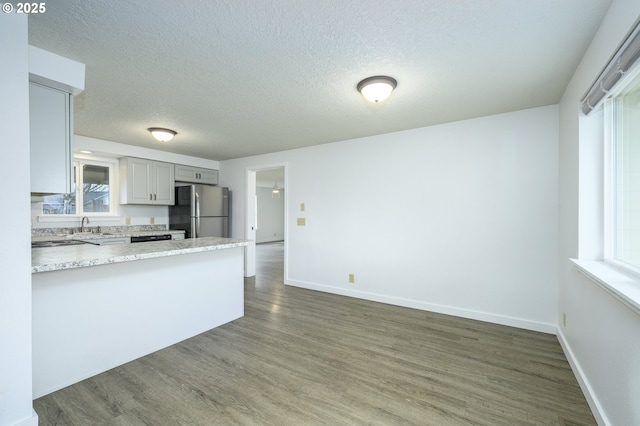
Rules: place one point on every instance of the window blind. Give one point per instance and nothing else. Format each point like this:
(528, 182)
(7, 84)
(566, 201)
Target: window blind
(623, 60)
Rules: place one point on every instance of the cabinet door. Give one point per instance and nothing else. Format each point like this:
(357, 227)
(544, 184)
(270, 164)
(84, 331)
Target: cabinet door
(164, 184)
(208, 176)
(139, 189)
(196, 175)
(146, 182)
(185, 173)
(50, 127)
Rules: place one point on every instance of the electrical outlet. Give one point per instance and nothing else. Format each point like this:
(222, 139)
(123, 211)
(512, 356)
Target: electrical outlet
(152, 220)
(352, 278)
(564, 319)
(301, 221)
(127, 221)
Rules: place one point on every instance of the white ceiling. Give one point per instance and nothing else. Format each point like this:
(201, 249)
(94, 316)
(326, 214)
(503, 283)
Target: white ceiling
(238, 77)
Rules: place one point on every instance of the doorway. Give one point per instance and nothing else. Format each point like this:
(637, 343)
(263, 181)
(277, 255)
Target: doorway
(266, 210)
(270, 190)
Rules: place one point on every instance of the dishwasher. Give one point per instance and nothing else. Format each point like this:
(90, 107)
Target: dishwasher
(113, 241)
(148, 238)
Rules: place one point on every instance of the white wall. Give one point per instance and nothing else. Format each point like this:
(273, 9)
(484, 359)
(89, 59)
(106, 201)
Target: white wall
(128, 310)
(270, 216)
(138, 215)
(601, 335)
(15, 286)
(459, 218)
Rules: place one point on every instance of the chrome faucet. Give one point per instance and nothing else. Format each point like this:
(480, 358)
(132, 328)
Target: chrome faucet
(82, 224)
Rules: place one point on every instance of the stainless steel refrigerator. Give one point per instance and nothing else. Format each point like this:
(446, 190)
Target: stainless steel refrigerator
(201, 211)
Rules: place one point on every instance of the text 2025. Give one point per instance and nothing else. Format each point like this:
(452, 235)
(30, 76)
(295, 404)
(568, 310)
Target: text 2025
(31, 7)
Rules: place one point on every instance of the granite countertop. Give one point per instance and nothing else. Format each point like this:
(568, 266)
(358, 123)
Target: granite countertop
(102, 235)
(79, 256)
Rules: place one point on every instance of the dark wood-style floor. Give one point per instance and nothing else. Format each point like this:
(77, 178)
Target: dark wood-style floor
(300, 357)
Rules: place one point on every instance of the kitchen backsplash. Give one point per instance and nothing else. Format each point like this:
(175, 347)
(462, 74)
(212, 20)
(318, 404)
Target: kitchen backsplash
(36, 232)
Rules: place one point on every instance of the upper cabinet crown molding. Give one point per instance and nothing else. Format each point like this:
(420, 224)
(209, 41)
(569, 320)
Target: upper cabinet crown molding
(55, 71)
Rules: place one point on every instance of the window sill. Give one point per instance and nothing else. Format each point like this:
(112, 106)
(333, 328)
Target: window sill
(624, 286)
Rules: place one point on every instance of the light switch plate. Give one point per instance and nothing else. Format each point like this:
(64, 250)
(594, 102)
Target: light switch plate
(301, 207)
(301, 221)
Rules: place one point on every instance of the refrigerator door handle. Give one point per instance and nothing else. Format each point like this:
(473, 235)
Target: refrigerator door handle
(197, 211)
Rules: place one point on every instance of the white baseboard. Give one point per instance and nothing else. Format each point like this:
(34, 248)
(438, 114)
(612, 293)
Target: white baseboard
(31, 421)
(431, 307)
(583, 381)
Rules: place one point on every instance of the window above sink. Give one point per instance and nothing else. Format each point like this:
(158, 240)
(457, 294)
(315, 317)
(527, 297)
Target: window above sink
(94, 184)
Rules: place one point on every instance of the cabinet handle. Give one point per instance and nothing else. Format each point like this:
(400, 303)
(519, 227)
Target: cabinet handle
(150, 197)
(155, 196)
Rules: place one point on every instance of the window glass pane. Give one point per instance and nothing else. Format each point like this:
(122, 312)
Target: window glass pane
(61, 203)
(90, 177)
(627, 175)
(95, 188)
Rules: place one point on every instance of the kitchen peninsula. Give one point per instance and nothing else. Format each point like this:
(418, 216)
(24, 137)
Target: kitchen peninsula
(97, 307)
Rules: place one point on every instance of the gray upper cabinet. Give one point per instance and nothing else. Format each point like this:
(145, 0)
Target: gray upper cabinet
(146, 182)
(196, 175)
(50, 124)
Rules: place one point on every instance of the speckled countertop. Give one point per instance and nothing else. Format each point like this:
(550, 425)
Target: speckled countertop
(118, 233)
(79, 256)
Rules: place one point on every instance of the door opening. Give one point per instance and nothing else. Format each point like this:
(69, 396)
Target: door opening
(266, 214)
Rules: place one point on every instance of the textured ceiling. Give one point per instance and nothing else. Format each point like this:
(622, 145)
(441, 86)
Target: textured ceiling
(238, 77)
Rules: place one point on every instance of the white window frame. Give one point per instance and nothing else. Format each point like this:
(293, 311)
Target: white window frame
(78, 160)
(610, 190)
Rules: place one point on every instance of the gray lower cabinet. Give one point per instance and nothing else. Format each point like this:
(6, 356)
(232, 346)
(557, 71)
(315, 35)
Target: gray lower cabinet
(50, 124)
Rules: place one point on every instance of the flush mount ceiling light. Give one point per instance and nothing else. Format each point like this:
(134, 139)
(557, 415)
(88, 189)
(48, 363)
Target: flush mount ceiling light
(163, 135)
(377, 88)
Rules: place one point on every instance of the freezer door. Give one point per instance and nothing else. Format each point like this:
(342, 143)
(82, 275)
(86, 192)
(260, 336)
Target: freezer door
(210, 227)
(210, 200)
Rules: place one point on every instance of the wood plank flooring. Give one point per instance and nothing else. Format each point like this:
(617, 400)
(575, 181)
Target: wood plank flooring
(300, 357)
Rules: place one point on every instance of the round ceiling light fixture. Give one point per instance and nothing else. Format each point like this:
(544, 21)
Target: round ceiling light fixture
(161, 134)
(377, 88)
